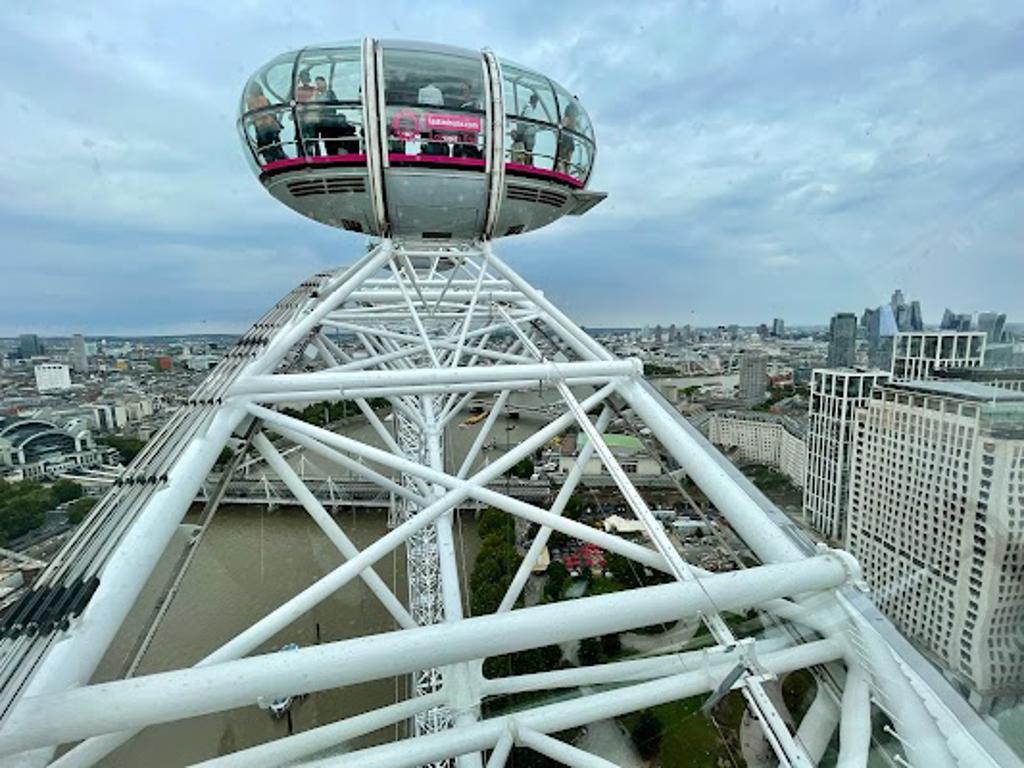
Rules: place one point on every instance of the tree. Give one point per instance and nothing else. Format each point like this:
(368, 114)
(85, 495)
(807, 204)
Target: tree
(226, 455)
(589, 651)
(647, 733)
(65, 490)
(128, 447)
(494, 522)
(573, 508)
(23, 508)
(557, 574)
(623, 570)
(523, 470)
(79, 508)
(611, 645)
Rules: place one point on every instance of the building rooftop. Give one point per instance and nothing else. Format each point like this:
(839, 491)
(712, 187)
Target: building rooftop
(618, 443)
(859, 370)
(967, 390)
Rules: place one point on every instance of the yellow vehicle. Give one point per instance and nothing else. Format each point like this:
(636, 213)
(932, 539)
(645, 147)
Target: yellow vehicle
(475, 419)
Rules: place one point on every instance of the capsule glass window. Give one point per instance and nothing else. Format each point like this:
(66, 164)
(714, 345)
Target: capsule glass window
(335, 74)
(571, 114)
(530, 144)
(328, 90)
(271, 85)
(527, 94)
(271, 136)
(435, 106)
(436, 80)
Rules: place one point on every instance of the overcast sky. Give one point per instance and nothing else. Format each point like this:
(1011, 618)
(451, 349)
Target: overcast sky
(761, 159)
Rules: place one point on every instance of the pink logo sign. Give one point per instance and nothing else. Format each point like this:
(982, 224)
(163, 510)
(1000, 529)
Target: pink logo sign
(453, 123)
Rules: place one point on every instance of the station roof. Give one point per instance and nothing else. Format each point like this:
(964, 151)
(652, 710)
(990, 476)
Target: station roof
(17, 430)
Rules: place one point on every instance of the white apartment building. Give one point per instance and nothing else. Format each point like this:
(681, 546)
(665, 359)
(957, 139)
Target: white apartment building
(835, 394)
(761, 438)
(917, 354)
(52, 377)
(936, 519)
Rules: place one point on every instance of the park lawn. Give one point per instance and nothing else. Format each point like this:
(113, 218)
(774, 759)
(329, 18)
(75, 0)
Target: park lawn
(690, 738)
(603, 586)
(798, 691)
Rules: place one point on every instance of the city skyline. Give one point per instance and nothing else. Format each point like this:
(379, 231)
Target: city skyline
(813, 160)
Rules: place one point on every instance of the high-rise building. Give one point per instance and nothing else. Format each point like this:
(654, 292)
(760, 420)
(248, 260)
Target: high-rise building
(778, 327)
(870, 321)
(915, 355)
(835, 395)
(952, 321)
(881, 333)
(79, 356)
(914, 320)
(908, 316)
(842, 345)
(936, 519)
(753, 377)
(992, 325)
(52, 377)
(29, 346)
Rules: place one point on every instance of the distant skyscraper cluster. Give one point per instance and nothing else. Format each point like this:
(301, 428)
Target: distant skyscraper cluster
(882, 323)
(921, 479)
(992, 324)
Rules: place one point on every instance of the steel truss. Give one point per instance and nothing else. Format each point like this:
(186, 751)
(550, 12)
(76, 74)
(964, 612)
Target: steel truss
(433, 329)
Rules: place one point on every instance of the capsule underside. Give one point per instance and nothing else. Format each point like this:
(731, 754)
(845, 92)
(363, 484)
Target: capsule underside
(447, 144)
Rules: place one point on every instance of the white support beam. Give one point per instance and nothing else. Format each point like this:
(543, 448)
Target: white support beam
(572, 713)
(631, 670)
(331, 529)
(502, 749)
(547, 372)
(564, 753)
(540, 541)
(855, 725)
(818, 725)
(105, 707)
(277, 752)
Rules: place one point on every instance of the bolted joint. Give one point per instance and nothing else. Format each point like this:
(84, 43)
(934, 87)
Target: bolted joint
(854, 574)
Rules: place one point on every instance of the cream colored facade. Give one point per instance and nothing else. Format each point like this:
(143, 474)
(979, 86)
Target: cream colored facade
(936, 519)
(761, 438)
(835, 394)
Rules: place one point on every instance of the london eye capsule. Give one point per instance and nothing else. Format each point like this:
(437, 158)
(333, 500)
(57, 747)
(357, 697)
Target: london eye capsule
(417, 141)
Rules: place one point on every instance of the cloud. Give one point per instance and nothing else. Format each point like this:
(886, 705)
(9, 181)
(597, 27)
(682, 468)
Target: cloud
(761, 159)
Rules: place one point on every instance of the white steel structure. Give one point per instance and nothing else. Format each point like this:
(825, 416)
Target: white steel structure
(446, 157)
(441, 327)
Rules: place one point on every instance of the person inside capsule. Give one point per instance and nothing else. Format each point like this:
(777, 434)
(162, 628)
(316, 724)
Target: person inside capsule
(268, 127)
(566, 143)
